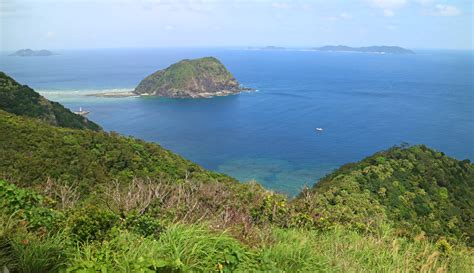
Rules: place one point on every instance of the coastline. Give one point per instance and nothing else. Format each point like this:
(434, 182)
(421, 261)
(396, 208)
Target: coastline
(114, 95)
(204, 95)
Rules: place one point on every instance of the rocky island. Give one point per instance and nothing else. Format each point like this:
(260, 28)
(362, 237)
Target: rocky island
(32, 53)
(199, 78)
(367, 49)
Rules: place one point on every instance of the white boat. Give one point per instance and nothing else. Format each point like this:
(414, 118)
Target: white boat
(319, 129)
(81, 112)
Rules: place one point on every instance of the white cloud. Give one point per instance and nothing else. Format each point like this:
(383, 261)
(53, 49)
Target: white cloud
(49, 35)
(280, 5)
(341, 16)
(169, 28)
(445, 10)
(345, 16)
(307, 7)
(388, 13)
(388, 6)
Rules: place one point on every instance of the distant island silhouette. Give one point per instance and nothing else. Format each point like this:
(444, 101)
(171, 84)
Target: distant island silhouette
(367, 49)
(32, 53)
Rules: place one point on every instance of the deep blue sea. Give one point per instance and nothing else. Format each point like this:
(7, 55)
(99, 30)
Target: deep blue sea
(364, 103)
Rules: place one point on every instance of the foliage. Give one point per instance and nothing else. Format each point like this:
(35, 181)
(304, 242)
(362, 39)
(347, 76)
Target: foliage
(416, 188)
(90, 224)
(24, 251)
(144, 225)
(24, 101)
(179, 249)
(33, 151)
(28, 206)
(140, 244)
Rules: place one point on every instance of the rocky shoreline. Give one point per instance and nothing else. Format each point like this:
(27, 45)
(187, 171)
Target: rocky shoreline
(206, 95)
(114, 95)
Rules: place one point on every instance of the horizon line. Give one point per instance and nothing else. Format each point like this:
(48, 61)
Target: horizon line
(222, 47)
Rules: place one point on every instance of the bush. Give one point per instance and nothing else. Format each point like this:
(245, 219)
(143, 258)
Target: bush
(91, 224)
(144, 225)
(29, 206)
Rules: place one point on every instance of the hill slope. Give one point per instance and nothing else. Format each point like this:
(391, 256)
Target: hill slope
(419, 189)
(24, 101)
(199, 78)
(31, 151)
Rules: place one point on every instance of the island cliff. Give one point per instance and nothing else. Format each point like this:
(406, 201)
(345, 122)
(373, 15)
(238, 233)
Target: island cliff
(199, 78)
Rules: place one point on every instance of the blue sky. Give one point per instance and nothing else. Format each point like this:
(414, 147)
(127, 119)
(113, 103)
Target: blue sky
(63, 24)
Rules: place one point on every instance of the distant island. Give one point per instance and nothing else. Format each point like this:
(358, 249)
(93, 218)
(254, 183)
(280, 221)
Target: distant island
(368, 49)
(199, 78)
(32, 53)
(266, 48)
(273, 48)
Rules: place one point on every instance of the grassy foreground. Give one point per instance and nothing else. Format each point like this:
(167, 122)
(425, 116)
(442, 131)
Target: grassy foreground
(34, 237)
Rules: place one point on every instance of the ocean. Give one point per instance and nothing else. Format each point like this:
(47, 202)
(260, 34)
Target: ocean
(363, 102)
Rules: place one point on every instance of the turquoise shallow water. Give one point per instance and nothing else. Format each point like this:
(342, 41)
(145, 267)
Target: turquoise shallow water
(364, 102)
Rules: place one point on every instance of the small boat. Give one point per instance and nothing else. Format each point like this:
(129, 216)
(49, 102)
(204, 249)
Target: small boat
(319, 129)
(81, 112)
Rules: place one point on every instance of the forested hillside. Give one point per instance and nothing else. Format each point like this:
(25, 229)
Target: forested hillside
(33, 150)
(416, 188)
(24, 101)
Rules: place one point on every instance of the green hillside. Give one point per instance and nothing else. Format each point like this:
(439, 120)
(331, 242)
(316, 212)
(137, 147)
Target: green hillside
(90, 201)
(32, 150)
(416, 188)
(24, 101)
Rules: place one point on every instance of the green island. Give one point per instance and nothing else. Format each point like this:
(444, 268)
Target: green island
(199, 78)
(74, 198)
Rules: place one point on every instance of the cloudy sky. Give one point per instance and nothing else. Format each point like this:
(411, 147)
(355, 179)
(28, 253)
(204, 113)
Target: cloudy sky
(60, 24)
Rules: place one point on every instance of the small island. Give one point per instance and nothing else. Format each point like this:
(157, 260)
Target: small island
(367, 49)
(273, 48)
(199, 78)
(32, 53)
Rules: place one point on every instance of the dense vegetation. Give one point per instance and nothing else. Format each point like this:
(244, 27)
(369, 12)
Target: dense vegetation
(202, 77)
(31, 151)
(89, 201)
(419, 189)
(36, 236)
(22, 100)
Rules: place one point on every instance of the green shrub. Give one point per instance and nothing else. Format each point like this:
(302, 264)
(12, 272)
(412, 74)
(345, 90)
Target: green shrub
(92, 223)
(29, 206)
(144, 225)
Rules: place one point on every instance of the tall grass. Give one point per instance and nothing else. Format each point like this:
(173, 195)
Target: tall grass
(184, 248)
(179, 248)
(22, 251)
(340, 250)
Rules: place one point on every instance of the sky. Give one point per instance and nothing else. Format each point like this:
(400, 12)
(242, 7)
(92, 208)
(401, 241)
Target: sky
(75, 24)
